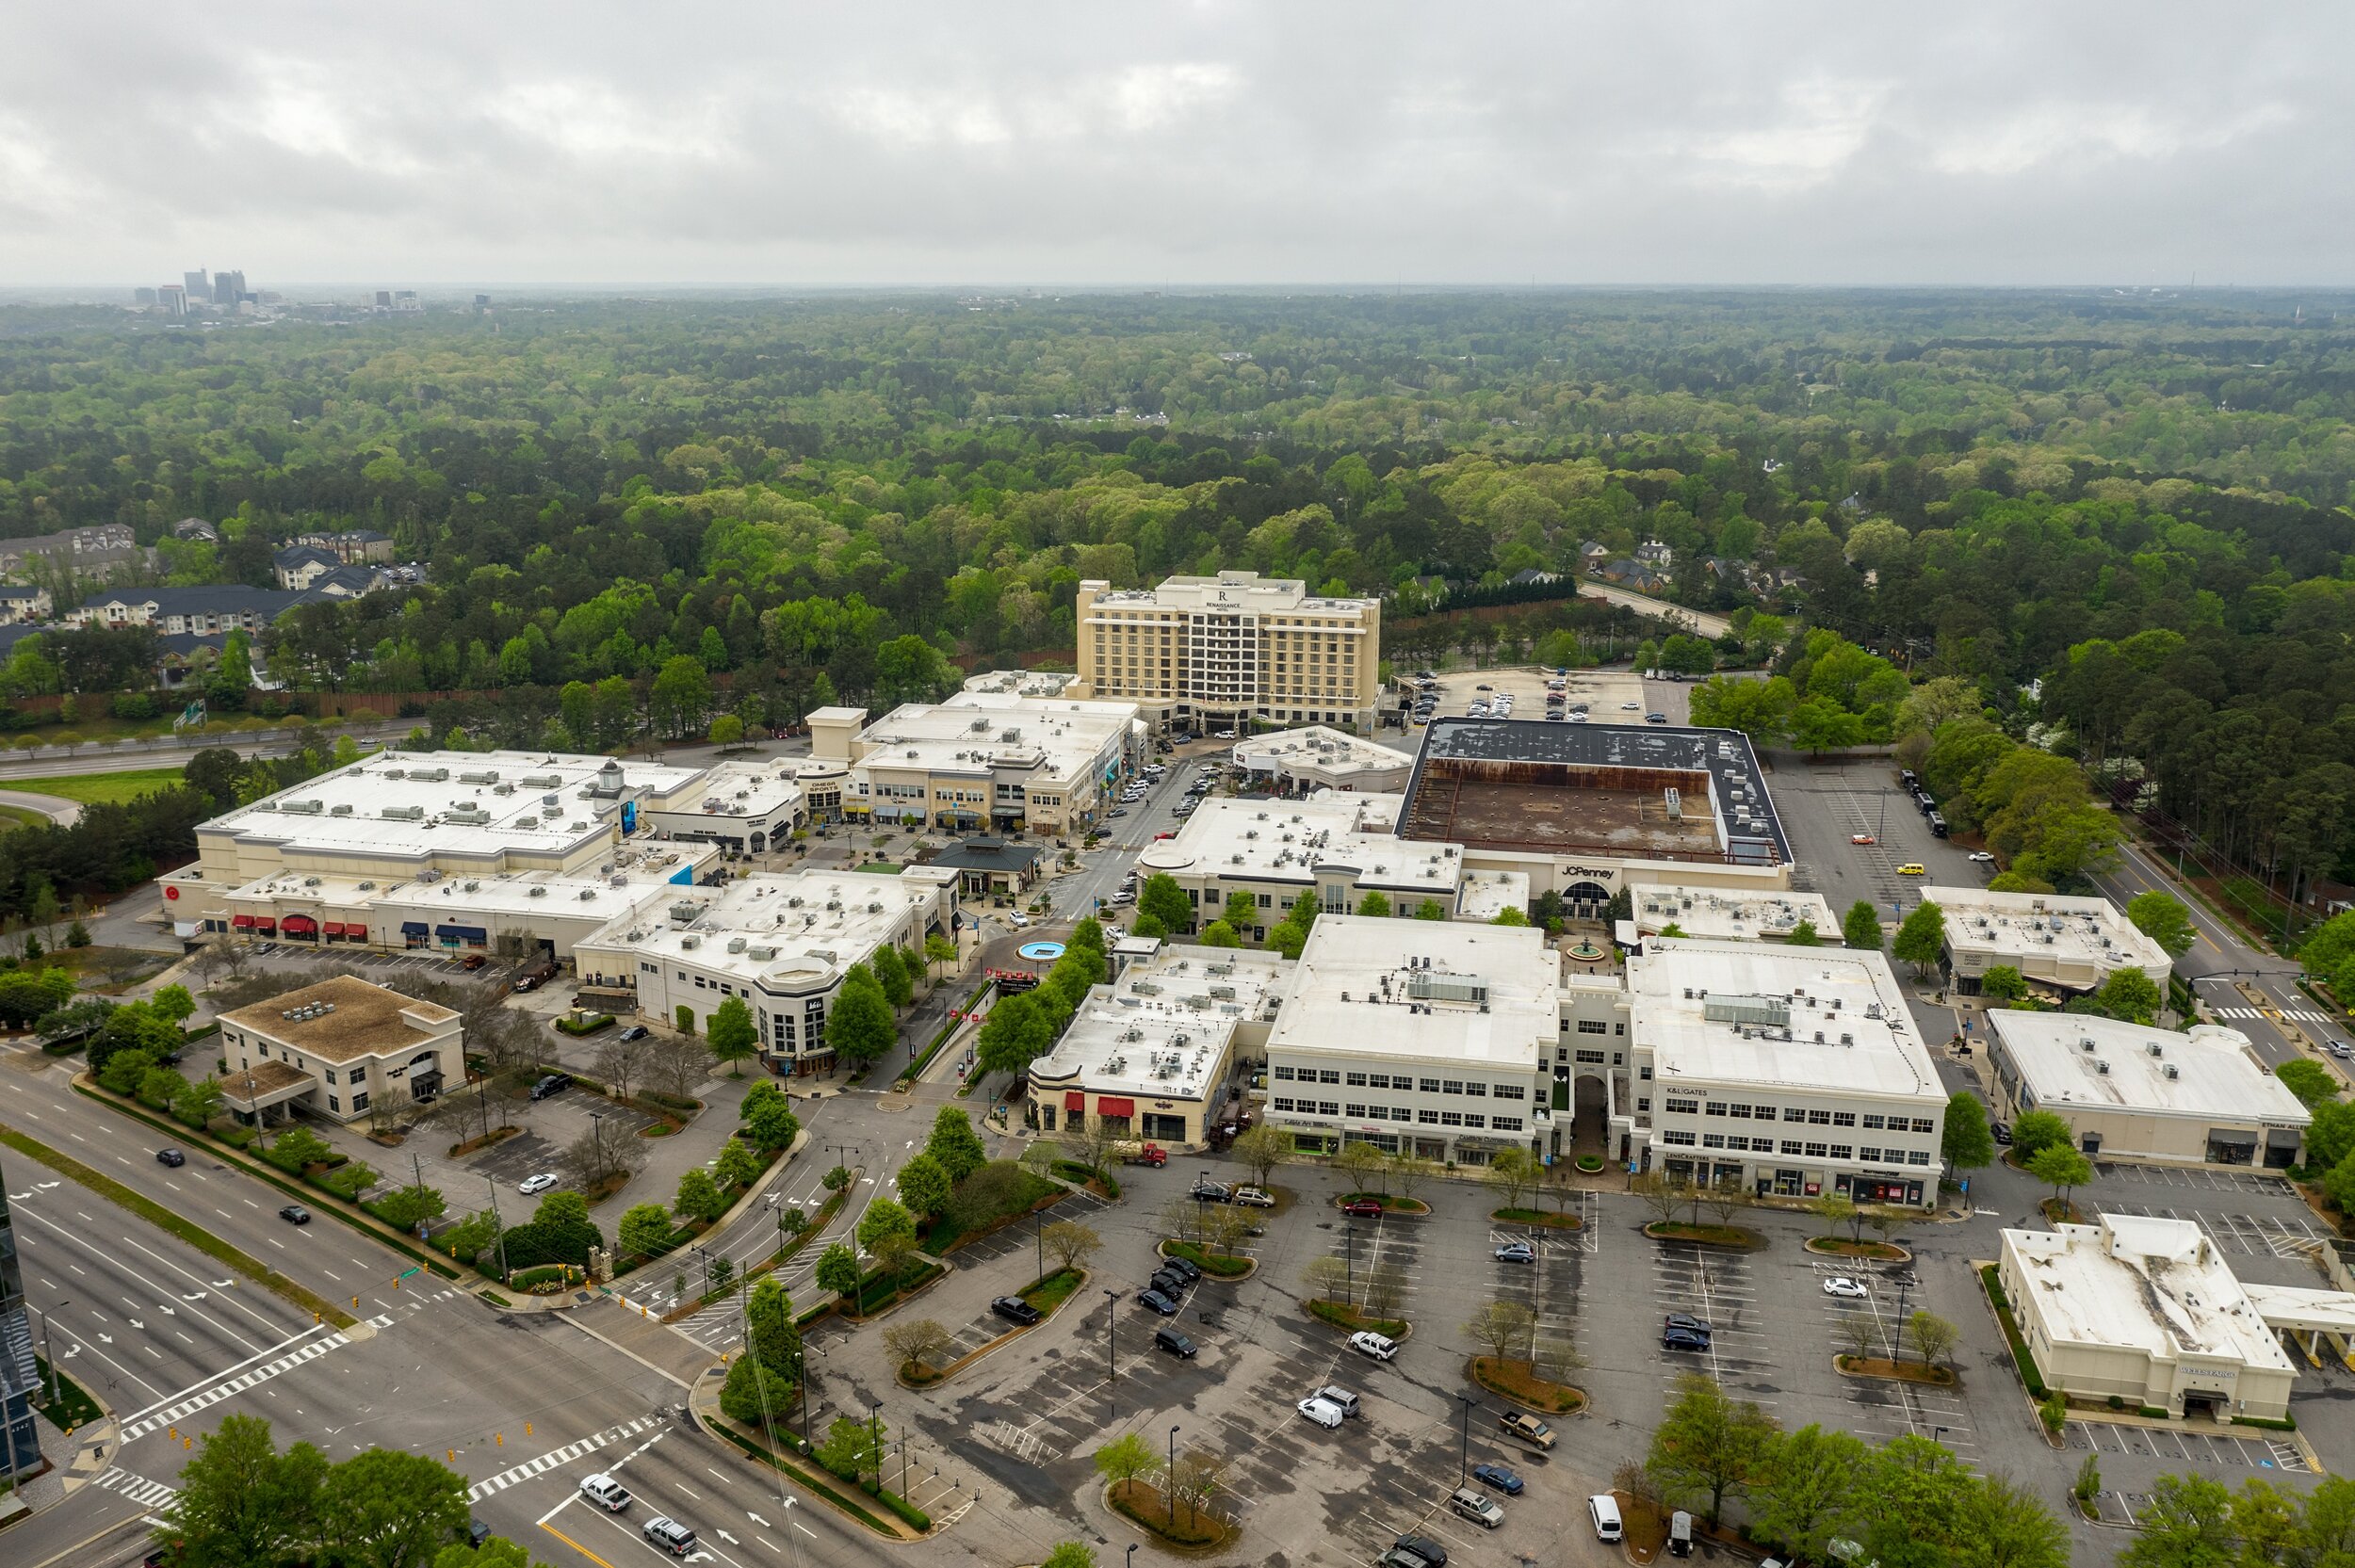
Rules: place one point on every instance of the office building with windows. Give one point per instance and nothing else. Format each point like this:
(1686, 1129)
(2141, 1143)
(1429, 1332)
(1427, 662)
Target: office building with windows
(1789, 1071)
(342, 1049)
(1212, 653)
(1335, 849)
(781, 941)
(1423, 1038)
(982, 762)
(20, 1373)
(2070, 945)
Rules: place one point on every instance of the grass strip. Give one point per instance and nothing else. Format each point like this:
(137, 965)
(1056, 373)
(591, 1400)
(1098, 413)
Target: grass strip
(753, 1449)
(366, 1224)
(104, 789)
(2002, 1303)
(1217, 1264)
(1052, 1291)
(72, 1407)
(163, 1219)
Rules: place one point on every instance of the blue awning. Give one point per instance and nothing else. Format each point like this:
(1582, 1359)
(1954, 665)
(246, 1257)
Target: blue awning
(461, 933)
(412, 927)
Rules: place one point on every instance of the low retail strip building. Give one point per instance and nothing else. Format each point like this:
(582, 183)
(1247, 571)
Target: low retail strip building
(745, 807)
(1157, 1054)
(1333, 847)
(2132, 1092)
(1791, 1072)
(1744, 914)
(781, 941)
(2145, 1310)
(342, 1049)
(1300, 762)
(2069, 945)
(1213, 654)
(1422, 1038)
(982, 762)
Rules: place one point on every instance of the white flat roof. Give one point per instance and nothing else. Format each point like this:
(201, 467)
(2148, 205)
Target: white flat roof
(1163, 1028)
(741, 787)
(976, 732)
(1731, 913)
(1759, 993)
(808, 925)
(1356, 993)
(2145, 1284)
(1021, 683)
(2083, 930)
(345, 812)
(1486, 895)
(1284, 841)
(2206, 1074)
(1237, 591)
(1330, 752)
(546, 895)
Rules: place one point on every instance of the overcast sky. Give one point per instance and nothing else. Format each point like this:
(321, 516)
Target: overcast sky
(422, 144)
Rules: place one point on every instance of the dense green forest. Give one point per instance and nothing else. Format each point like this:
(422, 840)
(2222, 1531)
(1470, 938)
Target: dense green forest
(2139, 501)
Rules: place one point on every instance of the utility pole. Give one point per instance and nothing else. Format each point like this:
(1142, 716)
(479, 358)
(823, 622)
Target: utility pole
(1111, 1368)
(500, 1224)
(1463, 1444)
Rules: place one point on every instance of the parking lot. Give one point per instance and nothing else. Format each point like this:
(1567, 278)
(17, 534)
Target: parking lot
(1823, 805)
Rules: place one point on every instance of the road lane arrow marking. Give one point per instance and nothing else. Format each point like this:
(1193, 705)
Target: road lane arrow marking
(758, 1520)
(726, 1537)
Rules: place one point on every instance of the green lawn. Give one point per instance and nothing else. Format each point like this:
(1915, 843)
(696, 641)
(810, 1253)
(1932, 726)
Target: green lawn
(101, 788)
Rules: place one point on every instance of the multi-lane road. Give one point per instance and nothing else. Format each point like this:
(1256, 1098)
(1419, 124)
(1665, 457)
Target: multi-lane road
(524, 1405)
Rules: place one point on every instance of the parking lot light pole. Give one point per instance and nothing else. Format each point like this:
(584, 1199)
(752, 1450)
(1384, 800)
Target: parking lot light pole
(1111, 1367)
(1463, 1445)
(1349, 1261)
(1169, 1492)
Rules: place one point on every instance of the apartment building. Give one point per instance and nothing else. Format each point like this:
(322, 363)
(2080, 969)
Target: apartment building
(195, 611)
(1211, 653)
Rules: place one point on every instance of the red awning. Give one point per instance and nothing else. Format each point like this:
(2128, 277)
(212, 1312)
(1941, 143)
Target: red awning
(1075, 1101)
(300, 923)
(266, 923)
(333, 928)
(242, 922)
(357, 933)
(1109, 1106)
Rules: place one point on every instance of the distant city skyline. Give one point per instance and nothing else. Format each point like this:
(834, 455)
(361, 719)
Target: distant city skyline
(1210, 145)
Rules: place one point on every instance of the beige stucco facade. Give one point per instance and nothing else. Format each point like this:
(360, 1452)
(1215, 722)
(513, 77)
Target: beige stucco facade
(1218, 652)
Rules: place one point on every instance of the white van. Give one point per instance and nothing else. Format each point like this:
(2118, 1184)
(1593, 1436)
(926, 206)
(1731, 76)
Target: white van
(1325, 1412)
(1603, 1509)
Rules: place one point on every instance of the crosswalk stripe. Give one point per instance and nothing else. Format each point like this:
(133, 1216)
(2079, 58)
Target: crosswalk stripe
(230, 1387)
(555, 1457)
(139, 1489)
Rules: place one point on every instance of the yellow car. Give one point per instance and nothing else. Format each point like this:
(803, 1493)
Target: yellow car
(1913, 868)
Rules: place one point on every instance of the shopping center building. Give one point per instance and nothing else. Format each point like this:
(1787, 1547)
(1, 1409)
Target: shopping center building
(983, 761)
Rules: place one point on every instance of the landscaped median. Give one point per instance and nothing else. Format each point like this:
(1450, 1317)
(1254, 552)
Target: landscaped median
(1880, 1252)
(1518, 1382)
(1732, 1237)
(1219, 1266)
(194, 1235)
(1342, 1316)
(1548, 1219)
(928, 1339)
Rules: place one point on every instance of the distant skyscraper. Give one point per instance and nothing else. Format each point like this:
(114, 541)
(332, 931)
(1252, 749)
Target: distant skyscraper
(142, 296)
(198, 286)
(227, 287)
(174, 298)
(20, 1375)
(383, 298)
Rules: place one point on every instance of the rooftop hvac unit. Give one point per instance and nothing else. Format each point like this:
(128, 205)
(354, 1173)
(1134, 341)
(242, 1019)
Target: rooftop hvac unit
(309, 882)
(2101, 1066)
(736, 944)
(481, 777)
(538, 891)
(403, 813)
(542, 781)
(1847, 1040)
(2084, 1042)
(341, 808)
(2157, 1049)
(1819, 1037)
(587, 894)
(2173, 1071)
(431, 775)
(689, 943)
(474, 887)
(306, 808)
(395, 773)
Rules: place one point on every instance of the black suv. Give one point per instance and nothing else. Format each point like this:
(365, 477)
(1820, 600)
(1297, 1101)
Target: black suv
(553, 1083)
(171, 1156)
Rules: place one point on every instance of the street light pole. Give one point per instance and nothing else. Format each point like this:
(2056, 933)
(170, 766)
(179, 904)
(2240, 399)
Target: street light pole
(1463, 1445)
(1169, 1492)
(499, 1225)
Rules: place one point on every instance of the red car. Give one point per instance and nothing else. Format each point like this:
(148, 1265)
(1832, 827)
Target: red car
(1362, 1209)
(1859, 838)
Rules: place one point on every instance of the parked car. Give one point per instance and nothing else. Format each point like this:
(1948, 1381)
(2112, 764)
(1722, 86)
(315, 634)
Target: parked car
(1014, 1309)
(1362, 1209)
(472, 960)
(607, 1493)
(1169, 1283)
(1914, 868)
(1517, 1251)
(1211, 1192)
(552, 1083)
(1682, 1339)
(1980, 857)
(1180, 1267)
(666, 1534)
(295, 1214)
(1498, 1476)
(1603, 1510)
(1323, 1412)
(1846, 1289)
(1525, 1428)
(1381, 1346)
(1174, 1343)
(173, 1157)
(1423, 1548)
(1478, 1507)
(535, 1184)
(1336, 1395)
(636, 1031)
(1863, 838)
(2001, 1131)
(1252, 1197)
(1158, 1301)
(1689, 1323)
(1655, 718)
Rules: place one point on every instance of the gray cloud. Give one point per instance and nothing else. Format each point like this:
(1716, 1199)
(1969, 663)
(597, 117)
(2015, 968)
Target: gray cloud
(1197, 143)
